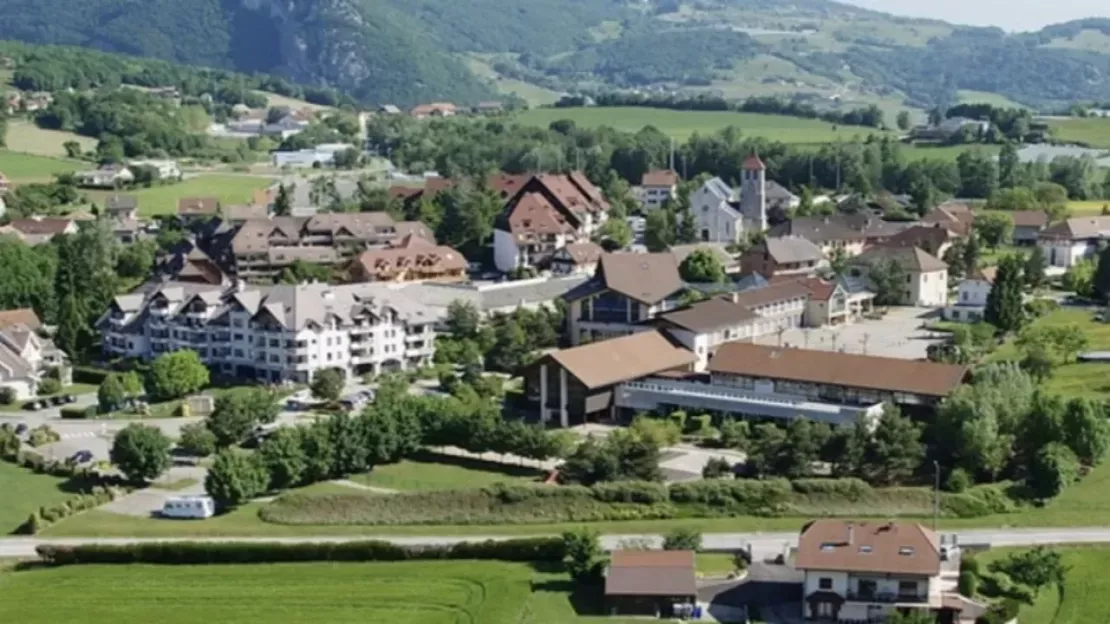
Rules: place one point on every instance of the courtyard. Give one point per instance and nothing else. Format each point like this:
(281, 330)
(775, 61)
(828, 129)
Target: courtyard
(900, 333)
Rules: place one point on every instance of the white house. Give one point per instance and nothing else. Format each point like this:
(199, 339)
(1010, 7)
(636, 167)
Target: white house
(971, 298)
(274, 334)
(25, 357)
(1072, 240)
(322, 155)
(864, 571)
(718, 220)
(167, 169)
(927, 274)
(657, 187)
(107, 176)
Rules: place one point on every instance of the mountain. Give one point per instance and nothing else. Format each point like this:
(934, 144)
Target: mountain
(410, 51)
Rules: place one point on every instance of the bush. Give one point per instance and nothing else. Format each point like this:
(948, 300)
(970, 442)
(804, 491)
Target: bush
(969, 583)
(7, 395)
(49, 386)
(716, 468)
(958, 481)
(89, 375)
(71, 412)
(190, 553)
(42, 435)
(682, 539)
(738, 496)
(642, 492)
(848, 488)
(197, 440)
(981, 500)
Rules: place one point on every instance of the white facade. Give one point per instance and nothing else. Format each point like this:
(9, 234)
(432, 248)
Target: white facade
(971, 301)
(237, 341)
(753, 199)
(716, 220)
(929, 289)
(653, 197)
(320, 156)
(873, 596)
(1065, 253)
(167, 169)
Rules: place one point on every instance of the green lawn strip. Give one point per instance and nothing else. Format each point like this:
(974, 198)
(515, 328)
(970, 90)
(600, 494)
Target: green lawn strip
(75, 389)
(426, 592)
(444, 472)
(156, 200)
(19, 167)
(22, 492)
(1086, 593)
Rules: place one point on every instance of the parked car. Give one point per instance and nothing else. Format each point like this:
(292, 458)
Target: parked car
(21, 429)
(82, 457)
(189, 507)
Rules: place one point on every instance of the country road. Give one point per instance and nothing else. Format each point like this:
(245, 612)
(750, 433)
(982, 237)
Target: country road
(762, 544)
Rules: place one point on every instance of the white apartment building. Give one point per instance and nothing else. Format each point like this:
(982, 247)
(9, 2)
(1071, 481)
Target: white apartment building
(274, 334)
(971, 297)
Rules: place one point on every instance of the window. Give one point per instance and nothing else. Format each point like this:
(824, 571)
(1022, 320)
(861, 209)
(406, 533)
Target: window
(907, 588)
(824, 583)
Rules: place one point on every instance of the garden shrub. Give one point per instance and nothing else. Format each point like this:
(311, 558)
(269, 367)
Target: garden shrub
(7, 396)
(89, 375)
(49, 386)
(735, 496)
(642, 492)
(71, 412)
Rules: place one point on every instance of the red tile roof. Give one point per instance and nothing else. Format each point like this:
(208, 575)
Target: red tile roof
(877, 547)
(660, 177)
(753, 162)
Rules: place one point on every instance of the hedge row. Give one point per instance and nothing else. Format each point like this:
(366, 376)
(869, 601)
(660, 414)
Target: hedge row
(192, 553)
(72, 412)
(89, 375)
(47, 516)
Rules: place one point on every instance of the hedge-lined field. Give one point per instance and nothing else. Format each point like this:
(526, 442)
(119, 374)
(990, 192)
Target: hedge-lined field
(507, 504)
(24, 492)
(439, 592)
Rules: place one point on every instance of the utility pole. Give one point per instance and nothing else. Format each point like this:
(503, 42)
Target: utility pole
(936, 493)
(684, 176)
(671, 161)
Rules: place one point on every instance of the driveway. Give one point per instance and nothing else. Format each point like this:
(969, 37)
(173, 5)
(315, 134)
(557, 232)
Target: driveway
(774, 590)
(148, 502)
(899, 334)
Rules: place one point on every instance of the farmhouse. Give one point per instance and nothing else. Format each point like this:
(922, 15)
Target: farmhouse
(125, 207)
(1072, 240)
(106, 177)
(1028, 225)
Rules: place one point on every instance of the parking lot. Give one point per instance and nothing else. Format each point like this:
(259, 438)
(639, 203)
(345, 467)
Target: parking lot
(899, 334)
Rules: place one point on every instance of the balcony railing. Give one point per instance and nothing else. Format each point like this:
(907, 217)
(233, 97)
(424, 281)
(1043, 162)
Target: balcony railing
(888, 597)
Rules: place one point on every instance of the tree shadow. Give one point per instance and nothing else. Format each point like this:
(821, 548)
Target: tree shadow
(586, 600)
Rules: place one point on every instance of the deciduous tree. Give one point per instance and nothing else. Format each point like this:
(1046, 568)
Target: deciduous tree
(140, 452)
(235, 478)
(176, 374)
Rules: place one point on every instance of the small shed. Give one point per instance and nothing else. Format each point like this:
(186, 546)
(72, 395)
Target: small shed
(650, 582)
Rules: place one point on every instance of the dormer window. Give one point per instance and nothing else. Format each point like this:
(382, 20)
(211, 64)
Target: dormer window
(865, 550)
(828, 547)
(906, 551)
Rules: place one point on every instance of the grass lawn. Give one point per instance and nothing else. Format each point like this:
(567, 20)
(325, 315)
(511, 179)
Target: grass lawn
(78, 388)
(715, 564)
(682, 124)
(413, 592)
(19, 167)
(443, 472)
(1086, 594)
(23, 492)
(1078, 379)
(230, 189)
(944, 152)
(24, 136)
(174, 486)
(1085, 208)
(1092, 131)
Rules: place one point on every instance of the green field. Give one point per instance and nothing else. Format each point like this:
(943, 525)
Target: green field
(1078, 379)
(230, 189)
(1085, 208)
(1091, 131)
(1086, 593)
(19, 167)
(984, 97)
(23, 492)
(426, 592)
(435, 472)
(682, 124)
(26, 137)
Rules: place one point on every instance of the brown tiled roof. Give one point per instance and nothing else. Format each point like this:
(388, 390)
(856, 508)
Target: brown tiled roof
(660, 177)
(668, 573)
(20, 316)
(404, 228)
(405, 193)
(819, 289)
(189, 206)
(411, 254)
(956, 217)
(919, 236)
(880, 547)
(782, 291)
(817, 229)
(986, 274)
(1079, 228)
(839, 369)
(584, 253)
(609, 362)
(532, 215)
(709, 315)
(243, 212)
(41, 225)
(647, 278)
(1029, 218)
(912, 259)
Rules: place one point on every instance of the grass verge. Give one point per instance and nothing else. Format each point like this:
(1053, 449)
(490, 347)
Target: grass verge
(444, 472)
(1080, 378)
(23, 492)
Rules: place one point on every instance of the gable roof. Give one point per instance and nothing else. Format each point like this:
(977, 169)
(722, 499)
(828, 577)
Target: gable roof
(1079, 228)
(753, 162)
(791, 249)
(709, 315)
(116, 202)
(816, 229)
(777, 192)
(608, 362)
(984, 275)
(920, 236)
(913, 259)
(20, 316)
(882, 547)
(648, 278)
(584, 253)
(1029, 218)
(771, 293)
(668, 573)
(840, 369)
(660, 177)
(41, 225)
(718, 188)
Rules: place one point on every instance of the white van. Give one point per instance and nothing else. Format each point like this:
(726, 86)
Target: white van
(189, 507)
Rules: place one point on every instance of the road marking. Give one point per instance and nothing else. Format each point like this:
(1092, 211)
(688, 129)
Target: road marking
(79, 434)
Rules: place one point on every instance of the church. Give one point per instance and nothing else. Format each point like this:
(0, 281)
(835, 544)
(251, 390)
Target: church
(725, 215)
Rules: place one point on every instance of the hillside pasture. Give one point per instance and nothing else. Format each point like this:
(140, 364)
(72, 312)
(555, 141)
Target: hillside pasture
(1090, 131)
(19, 167)
(28, 138)
(160, 200)
(683, 124)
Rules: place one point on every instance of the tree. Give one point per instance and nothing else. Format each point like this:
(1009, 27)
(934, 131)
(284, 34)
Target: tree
(659, 233)
(176, 374)
(978, 174)
(1079, 278)
(702, 266)
(197, 440)
(615, 234)
(897, 450)
(849, 446)
(682, 539)
(1011, 199)
(1039, 363)
(1034, 270)
(1053, 469)
(903, 120)
(1009, 165)
(1005, 307)
(140, 452)
(72, 148)
(237, 413)
(235, 478)
(1101, 281)
(1035, 568)
(136, 260)
(511, 347)
(764, 449)
(889, 279)
(584, 556)
(954, 258)
(110, 395)
(328, 384)
(799, 450)
(1086, 430)
(972, 253)
(995, 229)
(284, 458)
(85, 282)
(283, 202)
(463, 319)
(735, 433)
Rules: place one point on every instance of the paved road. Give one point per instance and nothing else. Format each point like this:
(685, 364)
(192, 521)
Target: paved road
(763, 544)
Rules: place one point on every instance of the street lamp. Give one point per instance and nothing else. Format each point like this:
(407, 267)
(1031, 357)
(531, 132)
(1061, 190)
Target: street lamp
(936, 493)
